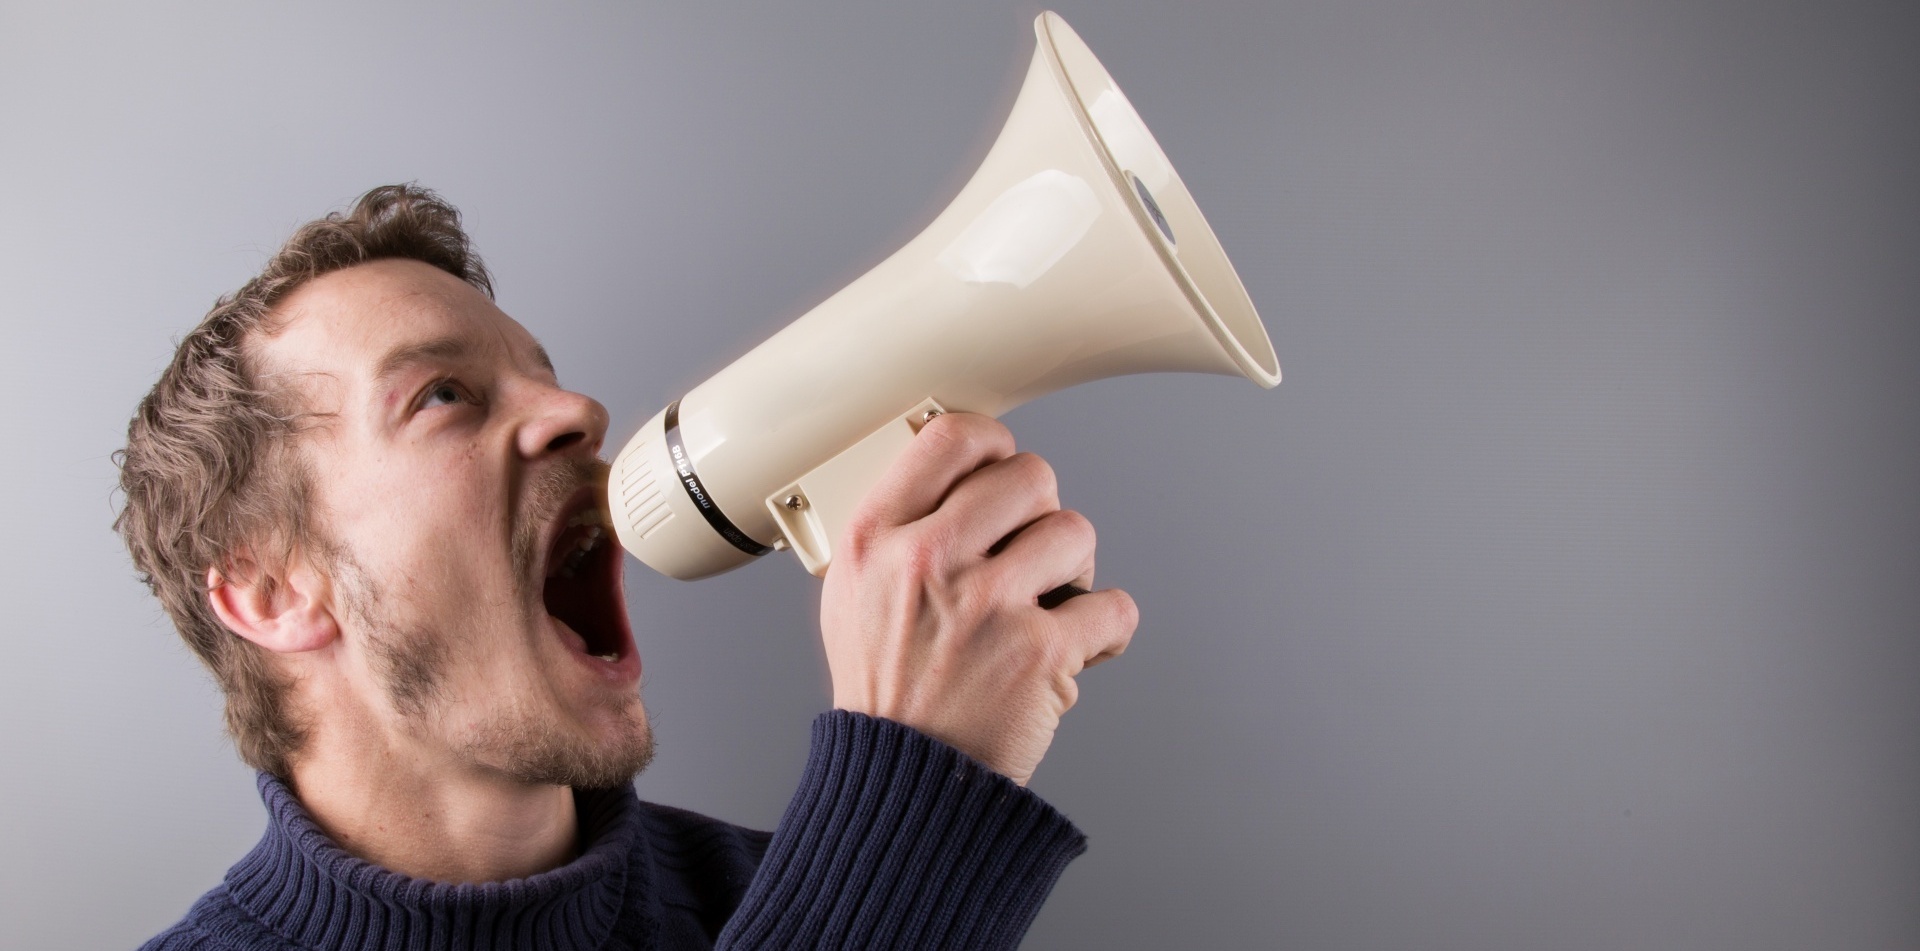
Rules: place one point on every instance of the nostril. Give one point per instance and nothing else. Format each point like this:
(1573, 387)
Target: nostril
(563, 441)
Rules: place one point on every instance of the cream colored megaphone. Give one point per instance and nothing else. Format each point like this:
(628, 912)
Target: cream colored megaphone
(1073, 254)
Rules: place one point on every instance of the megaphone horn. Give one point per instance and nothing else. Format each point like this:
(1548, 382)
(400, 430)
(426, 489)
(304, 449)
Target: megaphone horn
(1075, 253)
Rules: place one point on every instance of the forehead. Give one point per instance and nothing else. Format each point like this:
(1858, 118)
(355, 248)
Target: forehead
(347, 328)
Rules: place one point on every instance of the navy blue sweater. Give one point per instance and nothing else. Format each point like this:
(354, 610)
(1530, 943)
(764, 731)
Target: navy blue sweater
(893, 840)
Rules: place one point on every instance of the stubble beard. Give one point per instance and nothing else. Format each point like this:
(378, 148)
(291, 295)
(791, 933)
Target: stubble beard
(526, 739)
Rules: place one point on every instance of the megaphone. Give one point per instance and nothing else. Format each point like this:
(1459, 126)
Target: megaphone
(1074, 253)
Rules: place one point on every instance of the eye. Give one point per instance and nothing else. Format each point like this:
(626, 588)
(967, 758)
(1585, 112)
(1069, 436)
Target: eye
(444, 391)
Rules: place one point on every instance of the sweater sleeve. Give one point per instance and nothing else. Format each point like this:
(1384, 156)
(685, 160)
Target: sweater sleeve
(897, 840)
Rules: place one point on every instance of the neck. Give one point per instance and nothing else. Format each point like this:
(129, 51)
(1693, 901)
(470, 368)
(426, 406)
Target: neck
(411, 812)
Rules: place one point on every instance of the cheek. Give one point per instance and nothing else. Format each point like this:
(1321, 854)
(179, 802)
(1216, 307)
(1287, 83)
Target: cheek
(437, 569)
(427, 514)
(431, 529)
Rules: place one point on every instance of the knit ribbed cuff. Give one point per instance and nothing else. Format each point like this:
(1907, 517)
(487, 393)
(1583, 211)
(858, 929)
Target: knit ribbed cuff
(897, 840)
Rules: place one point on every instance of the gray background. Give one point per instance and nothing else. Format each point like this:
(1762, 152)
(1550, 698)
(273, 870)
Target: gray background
(1567, 594)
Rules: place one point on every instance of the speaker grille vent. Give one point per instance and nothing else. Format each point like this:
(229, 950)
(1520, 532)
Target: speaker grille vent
(644, 505)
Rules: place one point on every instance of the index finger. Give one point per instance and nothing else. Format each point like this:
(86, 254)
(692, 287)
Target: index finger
(949, 448)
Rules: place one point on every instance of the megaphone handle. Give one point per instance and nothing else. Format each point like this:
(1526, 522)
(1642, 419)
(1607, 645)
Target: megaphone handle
(817, 506)
(1061, 595)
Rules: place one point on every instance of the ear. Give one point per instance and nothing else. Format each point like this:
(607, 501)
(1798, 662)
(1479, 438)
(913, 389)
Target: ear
(286, 614)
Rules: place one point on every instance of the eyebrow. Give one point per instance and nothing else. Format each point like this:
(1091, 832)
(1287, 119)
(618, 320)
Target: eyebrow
(406, 355)
(439, 348)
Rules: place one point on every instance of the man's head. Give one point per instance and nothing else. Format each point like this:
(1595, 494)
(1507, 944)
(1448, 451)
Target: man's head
(371, 510)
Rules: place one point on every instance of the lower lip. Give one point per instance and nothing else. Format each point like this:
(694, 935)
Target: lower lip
(625, 670)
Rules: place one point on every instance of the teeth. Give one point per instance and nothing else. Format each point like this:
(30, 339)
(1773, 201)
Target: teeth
(610, 657)
(587, 542)
(589, 517)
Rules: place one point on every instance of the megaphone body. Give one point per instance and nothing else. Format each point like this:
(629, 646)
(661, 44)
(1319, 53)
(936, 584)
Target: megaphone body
(1074, 253)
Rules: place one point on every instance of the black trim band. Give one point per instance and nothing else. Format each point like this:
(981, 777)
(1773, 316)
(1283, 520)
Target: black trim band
(697, 491)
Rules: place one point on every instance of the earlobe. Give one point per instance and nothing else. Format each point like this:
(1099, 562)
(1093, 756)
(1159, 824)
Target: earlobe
(286, 615)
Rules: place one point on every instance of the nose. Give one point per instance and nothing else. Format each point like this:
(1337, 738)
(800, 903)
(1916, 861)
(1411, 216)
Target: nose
(563, 421)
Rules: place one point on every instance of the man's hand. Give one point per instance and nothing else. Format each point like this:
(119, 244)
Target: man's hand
(931, 608)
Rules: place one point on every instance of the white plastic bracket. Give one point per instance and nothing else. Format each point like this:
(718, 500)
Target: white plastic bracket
(815, 509)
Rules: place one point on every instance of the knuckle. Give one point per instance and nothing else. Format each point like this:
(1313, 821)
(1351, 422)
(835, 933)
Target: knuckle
(1036, 475)
(867, 530)
(857, 543)
(943, 430)
(921, 553)
(1076, 527)
(865, 523)
(967, 433)
(986, 427)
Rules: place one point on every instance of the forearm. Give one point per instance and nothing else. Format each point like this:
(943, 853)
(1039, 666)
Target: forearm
(896, 840)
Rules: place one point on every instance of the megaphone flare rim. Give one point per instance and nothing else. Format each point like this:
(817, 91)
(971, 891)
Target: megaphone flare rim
(1245, 340)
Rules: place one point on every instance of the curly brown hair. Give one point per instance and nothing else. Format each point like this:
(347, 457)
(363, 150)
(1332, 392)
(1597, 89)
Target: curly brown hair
(210, 476)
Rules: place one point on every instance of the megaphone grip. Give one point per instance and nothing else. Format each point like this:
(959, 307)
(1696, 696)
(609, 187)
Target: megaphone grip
(1061, 595)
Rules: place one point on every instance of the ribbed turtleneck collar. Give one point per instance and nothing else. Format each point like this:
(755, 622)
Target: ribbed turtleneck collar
(302, 885)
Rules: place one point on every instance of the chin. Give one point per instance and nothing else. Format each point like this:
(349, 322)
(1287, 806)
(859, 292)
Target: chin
(603, 747)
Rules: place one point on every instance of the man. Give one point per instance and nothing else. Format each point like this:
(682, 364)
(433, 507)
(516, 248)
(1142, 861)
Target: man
(365, 500)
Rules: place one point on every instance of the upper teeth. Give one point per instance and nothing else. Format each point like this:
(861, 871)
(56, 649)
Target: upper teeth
(588, 540)
(589, 517)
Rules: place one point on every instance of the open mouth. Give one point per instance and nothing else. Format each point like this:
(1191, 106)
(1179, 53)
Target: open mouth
(582, 585)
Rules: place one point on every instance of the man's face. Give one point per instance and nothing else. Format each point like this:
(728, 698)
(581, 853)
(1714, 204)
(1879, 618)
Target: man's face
(457, 497)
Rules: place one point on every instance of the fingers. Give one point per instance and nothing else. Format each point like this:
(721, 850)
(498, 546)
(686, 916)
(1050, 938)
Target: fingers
(1098, 625)
(996, 501)
(947, 450)
(1057, 549)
